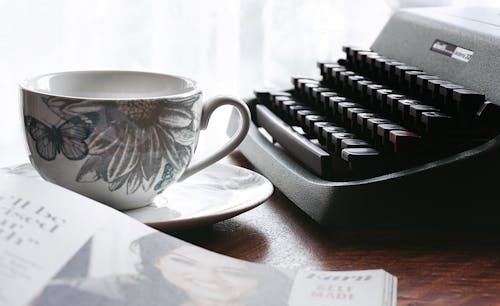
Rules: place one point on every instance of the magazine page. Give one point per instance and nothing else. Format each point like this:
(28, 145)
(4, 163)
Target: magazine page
(99, 256)
(41, 227)
(343, 288)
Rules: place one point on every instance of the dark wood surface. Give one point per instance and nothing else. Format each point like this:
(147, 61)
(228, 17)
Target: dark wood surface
(433, 266)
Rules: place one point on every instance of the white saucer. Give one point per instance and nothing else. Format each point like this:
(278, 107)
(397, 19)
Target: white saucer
(216, 193)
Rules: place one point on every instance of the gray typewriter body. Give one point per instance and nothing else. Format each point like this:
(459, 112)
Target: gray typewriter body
(460, 45)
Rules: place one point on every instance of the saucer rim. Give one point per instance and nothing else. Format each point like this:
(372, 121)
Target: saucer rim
(199, 220)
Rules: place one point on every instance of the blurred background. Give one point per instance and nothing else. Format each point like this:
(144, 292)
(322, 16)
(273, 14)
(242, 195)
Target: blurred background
(229, 46)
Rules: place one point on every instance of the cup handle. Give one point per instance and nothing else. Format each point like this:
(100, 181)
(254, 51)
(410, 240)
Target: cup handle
(228, 147)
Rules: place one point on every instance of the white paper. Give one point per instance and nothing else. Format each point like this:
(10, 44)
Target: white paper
(41, 227)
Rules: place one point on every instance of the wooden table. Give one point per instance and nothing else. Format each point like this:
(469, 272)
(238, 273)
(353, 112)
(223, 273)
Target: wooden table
(433, 266)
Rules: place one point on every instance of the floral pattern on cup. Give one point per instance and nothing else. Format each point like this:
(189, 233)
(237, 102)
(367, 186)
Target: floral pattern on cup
(128, 144)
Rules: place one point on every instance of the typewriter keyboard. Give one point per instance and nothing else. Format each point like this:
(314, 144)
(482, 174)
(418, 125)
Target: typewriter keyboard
(369, 115)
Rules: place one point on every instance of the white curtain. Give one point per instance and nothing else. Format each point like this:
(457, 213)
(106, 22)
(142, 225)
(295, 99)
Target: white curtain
(229, 46)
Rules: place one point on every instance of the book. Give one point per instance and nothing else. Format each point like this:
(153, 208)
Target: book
(60, 248)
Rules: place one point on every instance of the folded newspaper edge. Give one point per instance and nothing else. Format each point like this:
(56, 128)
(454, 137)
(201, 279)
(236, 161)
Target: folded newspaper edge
(59, 248)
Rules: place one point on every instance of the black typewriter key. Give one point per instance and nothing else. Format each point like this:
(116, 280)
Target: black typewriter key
(341, 81)
(352, 82)
(292, 111)
(278, 102)
(404, 141)
(363, 160)
(324, 97)
(383, 132)
(308, 90)
(370, 62)
(422, 80)
(316, 92)
(446, 96)
(354, 143)
(410, 82)
(300, 81)
(347, 49)
(279, 95)
(352, 55)
(350, 50)
(371, 93)
(400, 73)
(285, 109)
(467, 101)
(317, 130)
(263, 95)
(335, 141)
(342, 109)
(327, 131)
(433, 89)
(286, 104)
(416, 110)
(323, 64)
(352, 116)
(334, 72)
(372, 125)
(301, 86)
(370, 58)
(327, 73)
(303, 81)
(380, 66)
(361, 56)
(436, 122)
(333, 103)
(295, 80)
(310, 120)
(361, 59)
(390, 70)
(391, 104)
(362, 119)
(316, 96)
(301, 116)
(404, 109)
(331, 65)
(361, 90)
(334, 75)
(381, 99)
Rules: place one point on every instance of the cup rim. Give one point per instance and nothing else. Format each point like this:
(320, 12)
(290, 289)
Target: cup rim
(24, 85)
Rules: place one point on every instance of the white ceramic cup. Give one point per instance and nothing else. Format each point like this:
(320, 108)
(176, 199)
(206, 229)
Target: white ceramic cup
(119, 137)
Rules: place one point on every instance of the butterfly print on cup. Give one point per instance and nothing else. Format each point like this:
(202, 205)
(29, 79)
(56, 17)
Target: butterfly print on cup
(67, 138)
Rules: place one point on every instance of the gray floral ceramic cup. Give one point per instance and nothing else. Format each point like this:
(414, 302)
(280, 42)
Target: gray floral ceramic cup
(119, 137)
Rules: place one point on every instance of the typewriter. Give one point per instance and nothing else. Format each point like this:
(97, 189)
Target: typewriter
(402, 133)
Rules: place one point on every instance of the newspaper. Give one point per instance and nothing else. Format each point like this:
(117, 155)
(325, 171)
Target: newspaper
(60, 248)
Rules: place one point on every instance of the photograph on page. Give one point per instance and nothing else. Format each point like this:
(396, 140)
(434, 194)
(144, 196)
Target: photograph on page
(157, 269)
